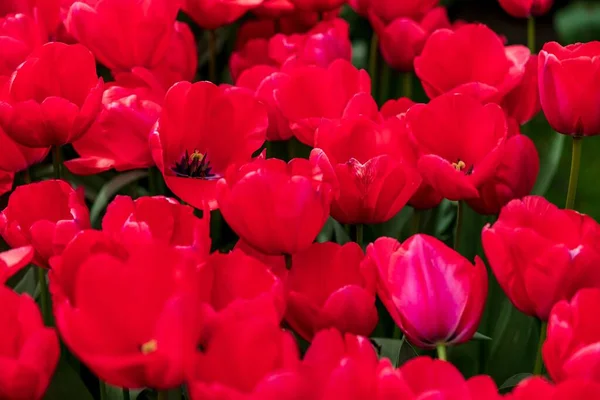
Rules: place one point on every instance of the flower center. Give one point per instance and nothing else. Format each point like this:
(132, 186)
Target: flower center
(149, 347)
(195, 165)
(460, 165)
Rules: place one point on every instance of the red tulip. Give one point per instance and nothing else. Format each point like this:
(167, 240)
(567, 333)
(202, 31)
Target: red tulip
(54, 96)
(278, 208)
(140, 40)
(119, 137)
(29, 351)
(143, 333)
(473, 60)
(45, 12)
(376, 180)
(12, 261)
(203, 129)
(275, 263)
(260, 364)
(16, 157)
(251, 47)
(161, 218)
(541, 254)
(403, 39)
(461, 160)
(572, 346)
(317, 5)
(46, 215)
(538, 388)
(273, 9)
(525, 8)
(213, 14)
(514, 177)
(434, 294)
(569, 85)
(345, 297)
(389, 10)
(312, 94)
(6, 181)
(523, 102)
(19, 36)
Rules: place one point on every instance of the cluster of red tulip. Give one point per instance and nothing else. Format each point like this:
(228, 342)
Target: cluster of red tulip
(143, 303)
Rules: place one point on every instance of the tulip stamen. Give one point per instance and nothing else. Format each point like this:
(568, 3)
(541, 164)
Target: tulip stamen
(195, 165)
(460, 165)
(149, 347)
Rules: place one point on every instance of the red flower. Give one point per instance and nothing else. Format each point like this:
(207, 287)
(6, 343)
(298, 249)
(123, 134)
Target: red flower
(514, 177)
(403, 38)
(119, 137)
(343, 299)
(6, 181)
(203, 129)
(143, 333)
(16, 157)
(541, 254)
(457, 161)
(19, 36)
(54, 96)
(140, 40)
(275, 207)
(29, 351)
(213, 14)
(471, 60)
(251, 47)
(389, 10)
(523, 102)
(317, 5)
(569, 82)
(435, 295)
(45, 12)
(312, 94)
(376, 180)
(12, 261)
(261, 364)
(161, 218)
(572, 347)
(46, 215)
(526, 8)
(538, 388)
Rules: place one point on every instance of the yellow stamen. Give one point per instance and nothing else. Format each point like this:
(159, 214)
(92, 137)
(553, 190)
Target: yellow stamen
(149, 347)
(459, 166)
(196, 155)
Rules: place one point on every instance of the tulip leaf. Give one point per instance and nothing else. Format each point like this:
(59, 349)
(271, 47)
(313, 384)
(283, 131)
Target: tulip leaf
(398, 351)
(110, 189)
(341, 236)
(115, 393)
(481, 336)
(67, 384)
(27, 283)
(514, 381)
(327, 231)
(578, 22)
(550, 146)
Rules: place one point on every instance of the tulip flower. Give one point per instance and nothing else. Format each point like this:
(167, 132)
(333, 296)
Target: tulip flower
(140, 40)
(317, 5)
(45, 215)
(210, 14)
(523, 102)
(12, 261)
(526, 8)
(458, 162)
(538, 388)
(389, 10)
(345, 297)
(313, 94)
(472, 60)
(251, 47)
(143, 334)
(54, 96)
(16, 157)
(569, 87)
(29, 351)
(19, 35)
(376, 179)
(275, 207)
(541, 254)
(201, 131)
(572, 346)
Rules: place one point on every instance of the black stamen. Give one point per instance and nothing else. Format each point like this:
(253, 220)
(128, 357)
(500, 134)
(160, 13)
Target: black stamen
(195, 165)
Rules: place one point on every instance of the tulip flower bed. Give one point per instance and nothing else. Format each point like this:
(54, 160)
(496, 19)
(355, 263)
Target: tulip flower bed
(213, 199)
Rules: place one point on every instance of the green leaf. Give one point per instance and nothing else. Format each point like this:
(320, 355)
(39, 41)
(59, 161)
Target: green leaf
(327, 232)
(398, 351)
(110, 189)
(481, 336)
(27, 283)
(550, 146)
(578, 22)
(513, 381)
(341, 236)
(116, 393)
(66, 384)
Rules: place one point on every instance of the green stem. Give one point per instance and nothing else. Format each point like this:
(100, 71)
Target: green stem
(531, 34)
(415, 224)
(373, 56)
(407, 80)
(163, 395)
(26, 176)
(441, 352)
(574, 175)
(57, 161)
(103, 392)
(397, 332)
(155, 181)
(358, 234)
(288, 261)
(212, 61)
(384, 85)
(539, 363)
(44, 296)
(126, 395)
(459, 221)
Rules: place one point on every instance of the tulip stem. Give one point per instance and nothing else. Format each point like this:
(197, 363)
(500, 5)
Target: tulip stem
(574, 175)
(212, 61)
(407, 84)
(384, 86)
(459, 220)
(163, 395)
(358, 234)
(57, 161)
(441, 352)
(288, 261)
(415, 223)
(126, 395)
(373, 55)
(26, 176)
(44, 295)
(539, 364)
(531, 34)
(103, 392)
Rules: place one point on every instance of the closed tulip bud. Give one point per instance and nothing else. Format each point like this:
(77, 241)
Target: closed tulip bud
(526, 8)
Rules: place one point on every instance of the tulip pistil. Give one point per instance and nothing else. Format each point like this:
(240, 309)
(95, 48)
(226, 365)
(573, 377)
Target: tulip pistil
(460, 165)
(149, 347)
(195, 165)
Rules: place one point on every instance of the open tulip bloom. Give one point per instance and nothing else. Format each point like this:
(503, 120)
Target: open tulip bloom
(253, 200)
